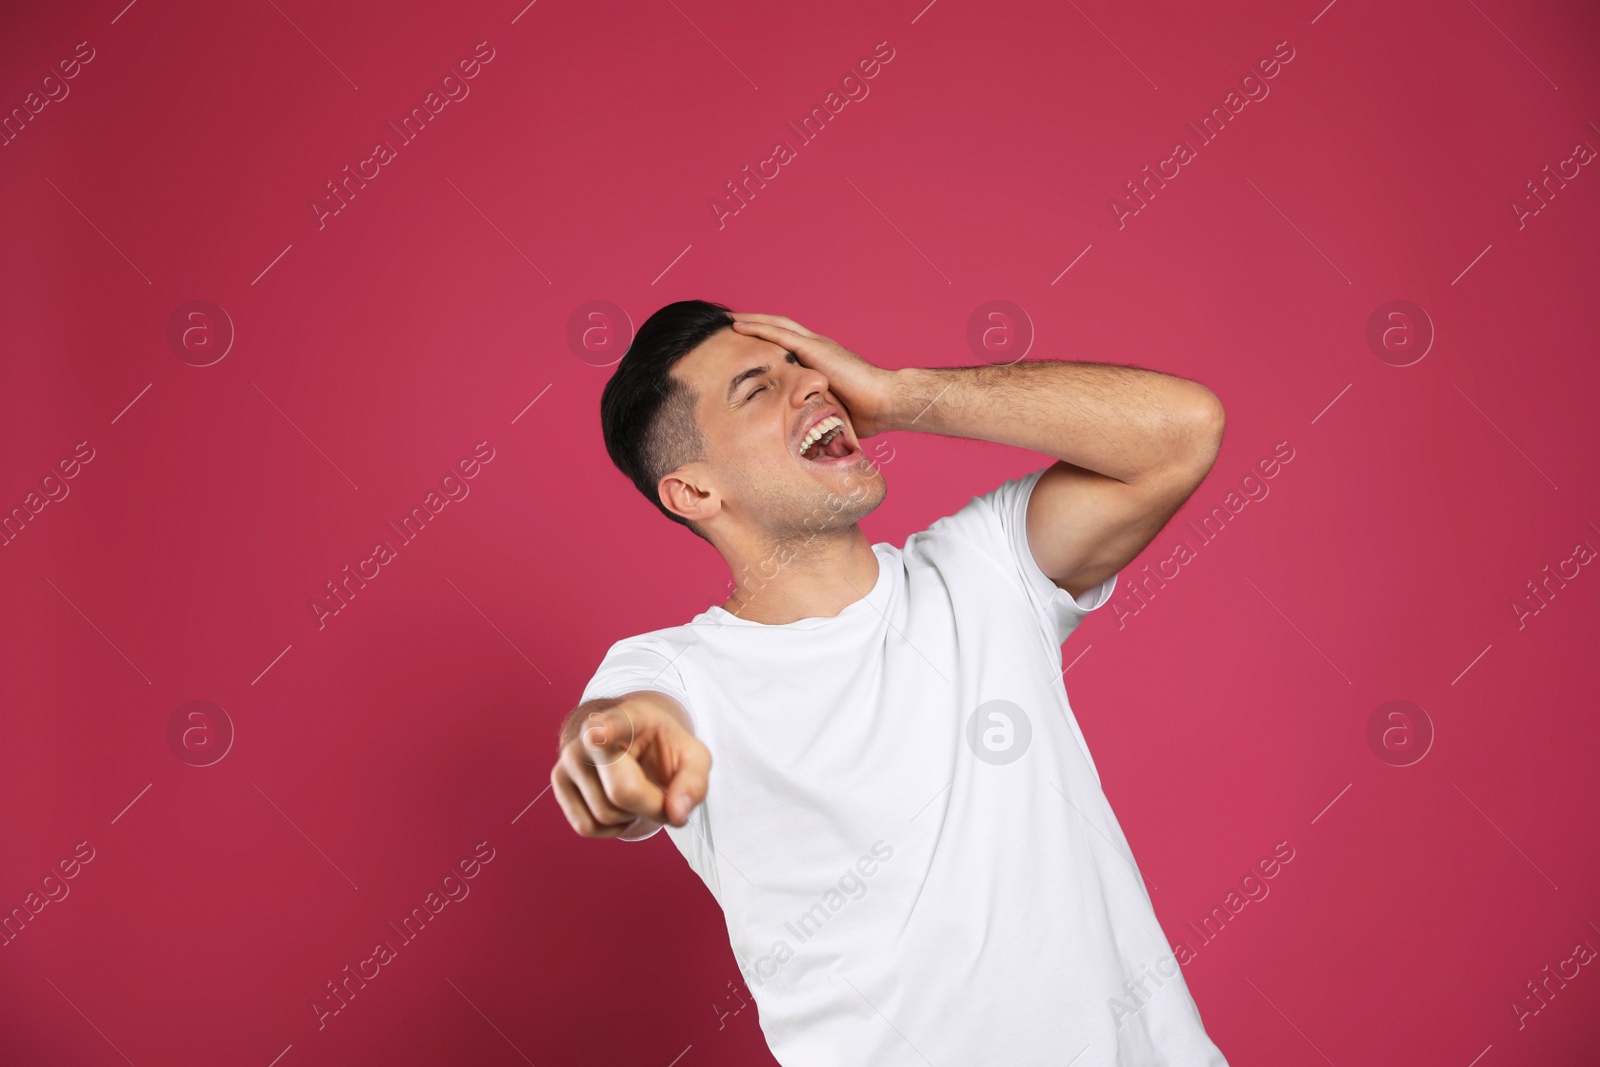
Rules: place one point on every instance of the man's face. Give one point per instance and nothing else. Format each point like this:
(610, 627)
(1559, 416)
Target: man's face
(756, 404)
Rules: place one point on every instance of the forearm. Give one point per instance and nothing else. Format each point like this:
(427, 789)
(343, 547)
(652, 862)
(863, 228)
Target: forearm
(1127, 423)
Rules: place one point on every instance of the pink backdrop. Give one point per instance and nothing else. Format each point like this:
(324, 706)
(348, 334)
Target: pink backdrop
(1426, 535)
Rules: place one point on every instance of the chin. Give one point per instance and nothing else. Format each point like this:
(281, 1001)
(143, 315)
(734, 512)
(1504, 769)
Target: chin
(854, 490)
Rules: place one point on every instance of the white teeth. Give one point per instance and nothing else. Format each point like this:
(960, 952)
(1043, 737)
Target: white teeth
(821, 428)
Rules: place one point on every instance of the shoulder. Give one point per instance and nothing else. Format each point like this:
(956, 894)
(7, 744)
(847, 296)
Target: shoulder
(667, 642)
(987, 520)
(652, 660)
(983, 547)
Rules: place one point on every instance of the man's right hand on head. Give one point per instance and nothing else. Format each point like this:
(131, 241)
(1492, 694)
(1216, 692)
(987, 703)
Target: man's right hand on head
(629, 765)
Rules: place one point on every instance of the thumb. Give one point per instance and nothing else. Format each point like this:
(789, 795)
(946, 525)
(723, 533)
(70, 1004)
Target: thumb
(689, 783)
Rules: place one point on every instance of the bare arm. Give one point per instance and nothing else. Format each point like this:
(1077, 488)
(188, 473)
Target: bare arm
(1131, 444)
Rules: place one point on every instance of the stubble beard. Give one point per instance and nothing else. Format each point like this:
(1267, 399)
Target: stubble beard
(808, 520)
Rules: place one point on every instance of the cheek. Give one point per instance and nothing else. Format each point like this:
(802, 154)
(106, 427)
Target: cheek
(760, 442)
(741, 459)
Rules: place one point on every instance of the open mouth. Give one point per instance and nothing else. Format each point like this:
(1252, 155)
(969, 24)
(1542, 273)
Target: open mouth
(826, 442)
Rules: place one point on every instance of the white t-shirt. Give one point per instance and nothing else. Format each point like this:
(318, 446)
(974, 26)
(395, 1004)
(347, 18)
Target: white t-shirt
(904, 827)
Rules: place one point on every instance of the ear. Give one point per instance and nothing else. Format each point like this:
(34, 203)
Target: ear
(685, 492)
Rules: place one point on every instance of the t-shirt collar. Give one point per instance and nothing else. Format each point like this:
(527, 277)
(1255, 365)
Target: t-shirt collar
(871, 604)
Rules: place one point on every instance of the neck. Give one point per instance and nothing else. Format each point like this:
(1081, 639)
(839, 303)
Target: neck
(817, 577)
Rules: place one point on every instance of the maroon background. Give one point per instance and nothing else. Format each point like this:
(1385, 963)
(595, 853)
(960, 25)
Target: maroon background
(374, 353)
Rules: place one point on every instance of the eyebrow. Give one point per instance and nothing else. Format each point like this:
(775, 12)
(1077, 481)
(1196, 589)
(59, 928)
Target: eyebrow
(745, 375)
(742, 376)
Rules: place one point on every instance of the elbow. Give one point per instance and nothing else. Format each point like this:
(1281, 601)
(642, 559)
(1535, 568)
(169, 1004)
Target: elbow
(1208, 412)
(1202, 439)
(1216, 420)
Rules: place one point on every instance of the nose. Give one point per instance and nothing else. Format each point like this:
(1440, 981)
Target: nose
(810, 384)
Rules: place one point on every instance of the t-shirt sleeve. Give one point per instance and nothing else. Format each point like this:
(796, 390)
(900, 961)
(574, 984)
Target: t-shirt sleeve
(997, 523)
(634, 664)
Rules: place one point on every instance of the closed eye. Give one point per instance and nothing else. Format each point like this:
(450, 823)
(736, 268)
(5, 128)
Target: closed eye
(789, 357)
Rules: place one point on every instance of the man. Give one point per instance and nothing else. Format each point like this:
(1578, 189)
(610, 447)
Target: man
(903, 827)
